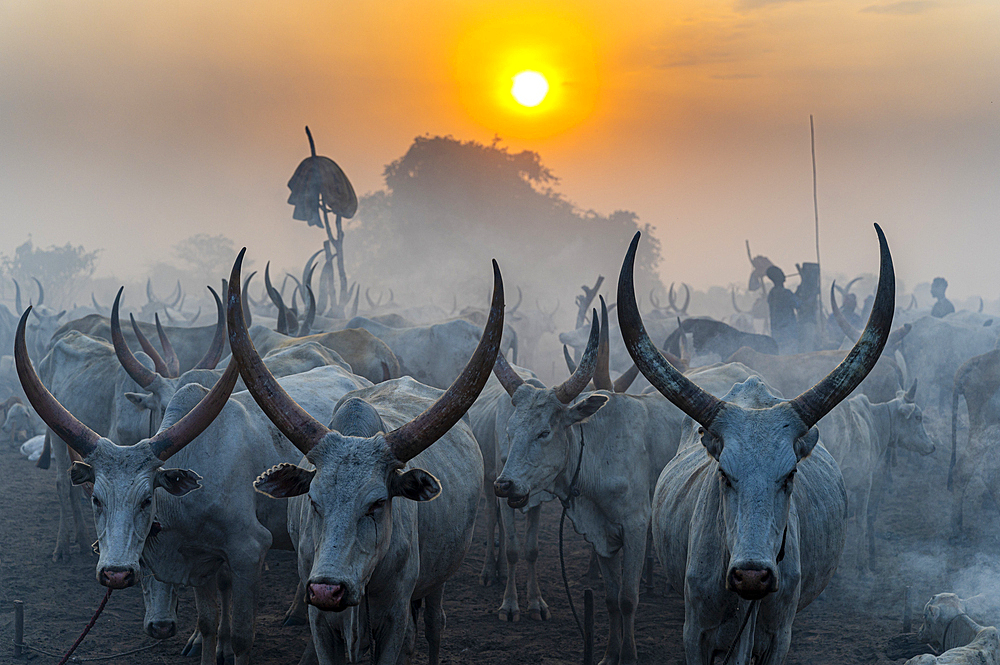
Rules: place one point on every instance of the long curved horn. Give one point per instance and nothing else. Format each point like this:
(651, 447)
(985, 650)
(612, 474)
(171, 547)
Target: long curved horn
(41, 292)
(838, 384)
(77, 436)
(272, 292)
(513, 309)
(295, 423)
(214, 353)
(509, 379)
(624, 382)
(371, 303)
(93, 300)
(159, 365)
(173, 364)
(602, 372)
(701, 405)
(981, 304)
(17, 297)
(310, 317)
(184, 431)
(247, 302)
(852, 333)
(309, 264)
(354, 306)
(569, 389)
(749, 255)
(135, 369)
(176, 298)
(150, 296)
(847, 289)
(672, 299)
(417, 435)
(655, 302)
(687, 299)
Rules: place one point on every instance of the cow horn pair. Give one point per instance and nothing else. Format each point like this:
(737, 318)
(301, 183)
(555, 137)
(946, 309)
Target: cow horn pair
(852, 333)
(83, 440)
(569, 389)
(171, 367)
(811, 405)
(406, 442)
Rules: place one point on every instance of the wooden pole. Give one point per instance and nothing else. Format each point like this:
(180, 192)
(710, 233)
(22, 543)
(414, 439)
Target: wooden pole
(588, 627)
(18, 627)
(820, 328)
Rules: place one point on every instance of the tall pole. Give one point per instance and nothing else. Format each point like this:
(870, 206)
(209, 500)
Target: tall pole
(820, 328)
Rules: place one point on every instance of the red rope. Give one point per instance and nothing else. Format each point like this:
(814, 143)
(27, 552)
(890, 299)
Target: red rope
(86, 630)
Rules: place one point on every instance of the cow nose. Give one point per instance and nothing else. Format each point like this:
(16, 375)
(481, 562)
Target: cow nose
(327, 597)
(117, 578)
(502, 487)
(752, 583)
(161, 630)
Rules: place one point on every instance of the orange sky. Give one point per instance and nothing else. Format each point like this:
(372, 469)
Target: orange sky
(129, 126)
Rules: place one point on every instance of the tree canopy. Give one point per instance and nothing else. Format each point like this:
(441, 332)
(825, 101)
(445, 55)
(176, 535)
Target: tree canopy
(449, 206)
(59, 269)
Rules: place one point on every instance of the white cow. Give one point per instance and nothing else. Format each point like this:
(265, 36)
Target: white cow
(948, 627)
(752, 531)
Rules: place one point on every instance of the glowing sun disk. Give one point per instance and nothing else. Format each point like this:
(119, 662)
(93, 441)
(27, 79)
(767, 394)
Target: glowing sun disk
(529, 88)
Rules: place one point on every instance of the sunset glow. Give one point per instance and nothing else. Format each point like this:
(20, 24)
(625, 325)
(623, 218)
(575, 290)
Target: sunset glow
(529, 88)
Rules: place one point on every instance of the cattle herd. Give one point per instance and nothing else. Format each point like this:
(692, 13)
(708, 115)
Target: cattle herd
(365, 443)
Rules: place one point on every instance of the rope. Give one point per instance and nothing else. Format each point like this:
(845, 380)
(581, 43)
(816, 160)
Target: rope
(573, 492)
(732, 647)
(93, 620)
(77, 659)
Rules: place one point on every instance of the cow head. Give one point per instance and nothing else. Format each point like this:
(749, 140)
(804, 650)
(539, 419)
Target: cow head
(939, 612)
(124, 478)
(359, 469)
(907, 423)
(160, 600)
(756, 439)
(542, 443)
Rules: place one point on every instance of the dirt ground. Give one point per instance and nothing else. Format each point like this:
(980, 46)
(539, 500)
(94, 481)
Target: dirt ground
(852, 622)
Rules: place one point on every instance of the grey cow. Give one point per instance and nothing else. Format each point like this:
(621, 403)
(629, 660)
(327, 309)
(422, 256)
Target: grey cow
(752, 531)
(365, 532)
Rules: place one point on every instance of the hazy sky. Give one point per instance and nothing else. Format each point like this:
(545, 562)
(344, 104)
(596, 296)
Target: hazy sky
(129, 126)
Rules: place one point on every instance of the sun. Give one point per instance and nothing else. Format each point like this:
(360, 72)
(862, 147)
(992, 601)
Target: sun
(529, 88)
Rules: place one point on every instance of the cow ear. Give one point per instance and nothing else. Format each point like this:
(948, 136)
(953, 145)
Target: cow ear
(80, 473)
(713, 444)
(415, 485)
(804, 445)
(907, 410)
(144, 400)
(284, 481)
(581, 411)
(177, 481)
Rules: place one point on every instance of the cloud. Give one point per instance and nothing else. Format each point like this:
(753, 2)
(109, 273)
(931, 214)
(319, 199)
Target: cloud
(747, 5)
(902, 8)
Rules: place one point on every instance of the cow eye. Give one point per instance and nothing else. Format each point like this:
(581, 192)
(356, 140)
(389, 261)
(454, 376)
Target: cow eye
(376, 506)
(147, 502)
(544, 434)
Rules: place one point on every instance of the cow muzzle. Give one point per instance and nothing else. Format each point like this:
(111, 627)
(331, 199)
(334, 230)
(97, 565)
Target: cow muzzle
(505, 489)
(752, 583)
(115, 577)
(161, 630)
(328, 597)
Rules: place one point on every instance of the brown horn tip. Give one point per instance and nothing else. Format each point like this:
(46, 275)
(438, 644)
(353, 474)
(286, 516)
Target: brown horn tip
(77, 436)
(602, 370)
(570, 389)
(509, 379)
(139, 373)
(295, 423)
(173, 364)
(417, 435)
(845, 377)
(159, 365)
(184, 431)
(214, 353)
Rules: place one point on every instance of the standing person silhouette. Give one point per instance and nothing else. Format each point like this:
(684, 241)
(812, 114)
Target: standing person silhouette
(782, 303)
(943, 306)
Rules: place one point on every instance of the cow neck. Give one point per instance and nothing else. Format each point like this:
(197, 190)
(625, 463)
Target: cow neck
(961, 634)
(572, 487)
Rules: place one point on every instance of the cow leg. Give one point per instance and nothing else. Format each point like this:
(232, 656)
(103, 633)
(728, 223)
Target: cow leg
(192, 648)
(612, 574)
(434, 623)
(537, 608)
(247, 568)
(224, 653)
(297, 613)
(309, 653)
(328, 644)
(633, 563)
(593, 568)
(490, 573)
(206, 599)
(69, 502)
(392, 632)
(861, 528)
(509, 610)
